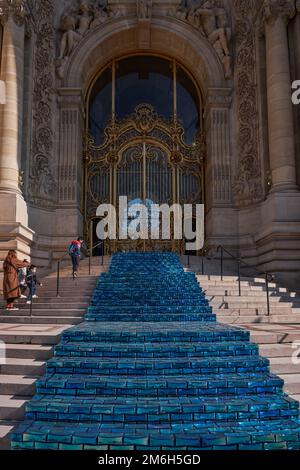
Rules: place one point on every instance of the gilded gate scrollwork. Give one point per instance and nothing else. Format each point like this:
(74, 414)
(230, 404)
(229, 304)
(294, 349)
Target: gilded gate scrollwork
(143, 157)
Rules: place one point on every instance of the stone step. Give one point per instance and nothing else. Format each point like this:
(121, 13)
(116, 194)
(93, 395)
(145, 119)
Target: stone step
(295, 397)
(175, 410)
(62, 299)
(70, 293)
(251, 295)
(284, 365)
(233, 284)
(40, 320)
(13, 335)
(215, 277)
(235, 299)
(28, 351)
(244, 319)
(157, 367)
(276, 350)
(262, 311)
(6, 427)
(12, 408)
(275, 307)
(41, 304)
(148, 317)
(127, 332)
(124, 436)
(218, 289)
(17, 385)
(45, 311)
(22, 366)
(291, 383)
(155, 350)
(159, 386)
(273, 337)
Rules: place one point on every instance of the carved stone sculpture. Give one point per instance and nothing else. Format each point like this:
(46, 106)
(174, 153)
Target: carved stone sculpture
(144, 8)
(70, 36)
(76, 24)
(247, 188)
(42, 188)
(210, 18)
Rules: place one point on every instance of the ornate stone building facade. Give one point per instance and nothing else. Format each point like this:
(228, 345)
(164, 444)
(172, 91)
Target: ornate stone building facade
(240, 55)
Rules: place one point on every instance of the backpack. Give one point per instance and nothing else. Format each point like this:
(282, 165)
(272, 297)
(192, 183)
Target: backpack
(73, 248)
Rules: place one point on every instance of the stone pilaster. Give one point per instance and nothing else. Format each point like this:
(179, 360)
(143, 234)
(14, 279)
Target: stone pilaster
(217, 121)
(280, 114)
(71, 126)
(13, 209)
(220, 221)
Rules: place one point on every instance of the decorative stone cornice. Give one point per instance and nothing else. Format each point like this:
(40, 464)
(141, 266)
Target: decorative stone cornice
(273, 9)
(12, 9)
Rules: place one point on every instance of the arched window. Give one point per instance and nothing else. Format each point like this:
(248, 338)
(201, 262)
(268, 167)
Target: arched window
(130, 81)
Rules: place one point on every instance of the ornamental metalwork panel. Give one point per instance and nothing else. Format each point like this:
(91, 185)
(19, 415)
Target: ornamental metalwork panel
(146, 158)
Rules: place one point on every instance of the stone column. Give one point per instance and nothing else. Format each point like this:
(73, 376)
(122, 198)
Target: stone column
(12, 67)
(13, 209)
(280, 114)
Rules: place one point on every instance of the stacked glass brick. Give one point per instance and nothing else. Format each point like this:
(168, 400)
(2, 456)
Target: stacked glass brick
(150, 368)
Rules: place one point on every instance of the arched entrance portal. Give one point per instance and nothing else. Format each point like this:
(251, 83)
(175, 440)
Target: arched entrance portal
(144, 140)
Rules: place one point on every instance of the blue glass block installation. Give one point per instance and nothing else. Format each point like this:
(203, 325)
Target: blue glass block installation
(151, 368)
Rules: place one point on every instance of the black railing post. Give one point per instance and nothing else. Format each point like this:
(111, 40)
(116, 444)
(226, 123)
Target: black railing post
(239, 275)
(31, 298)
(102, 251)
(90, 259)
(188, 260)
(267, 290)
(221, 263)
(58, 279)
(202, 263)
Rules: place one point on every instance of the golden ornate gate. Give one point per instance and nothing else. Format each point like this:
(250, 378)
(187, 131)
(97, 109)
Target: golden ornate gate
(145, 158)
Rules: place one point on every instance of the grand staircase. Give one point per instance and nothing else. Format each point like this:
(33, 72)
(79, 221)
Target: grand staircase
(29, 338)
(150, 368)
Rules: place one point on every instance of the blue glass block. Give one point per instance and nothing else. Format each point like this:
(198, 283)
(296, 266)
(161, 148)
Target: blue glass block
(275, 446)
(46, 446)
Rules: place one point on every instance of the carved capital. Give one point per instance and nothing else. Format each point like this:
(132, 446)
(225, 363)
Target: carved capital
(14, 9)
(274, 9)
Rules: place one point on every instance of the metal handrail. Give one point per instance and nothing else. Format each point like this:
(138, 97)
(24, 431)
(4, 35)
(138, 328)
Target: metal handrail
(91, 255)
(66, 254)
(267, 276)
(58, 274)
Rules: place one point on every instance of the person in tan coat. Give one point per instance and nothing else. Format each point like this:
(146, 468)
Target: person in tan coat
(11, 288)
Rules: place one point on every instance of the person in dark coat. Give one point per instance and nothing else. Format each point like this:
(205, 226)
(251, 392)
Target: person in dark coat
(11, 287)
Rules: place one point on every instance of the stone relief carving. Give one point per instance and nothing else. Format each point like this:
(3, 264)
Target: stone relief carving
(75, 24)
(272, 9)
(144, 9)
(248, 188)
(42, 186)
(211, 19)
